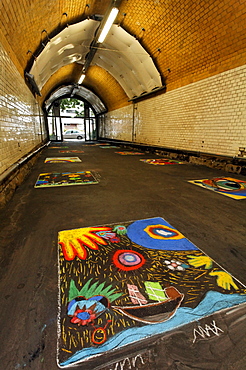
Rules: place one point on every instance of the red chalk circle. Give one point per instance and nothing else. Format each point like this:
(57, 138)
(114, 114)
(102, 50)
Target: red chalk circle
(128, 260)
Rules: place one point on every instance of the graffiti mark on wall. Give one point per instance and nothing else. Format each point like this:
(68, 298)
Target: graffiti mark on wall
(46, 180)
(161, 161)
(121, 283)
(207, 332)
(228, 186)
(62, 159)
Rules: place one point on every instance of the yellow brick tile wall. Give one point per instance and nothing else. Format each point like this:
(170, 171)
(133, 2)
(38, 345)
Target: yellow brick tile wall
(21, 127)
(193, 39)
(207, 116)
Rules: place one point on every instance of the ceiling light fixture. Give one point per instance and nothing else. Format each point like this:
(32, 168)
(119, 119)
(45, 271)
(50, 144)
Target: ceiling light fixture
(108, 24)
(81, 79)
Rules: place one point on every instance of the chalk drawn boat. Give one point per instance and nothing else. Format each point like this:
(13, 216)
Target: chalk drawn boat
(169, 299)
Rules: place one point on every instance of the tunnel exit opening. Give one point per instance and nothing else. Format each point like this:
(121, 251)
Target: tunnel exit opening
(71, 119)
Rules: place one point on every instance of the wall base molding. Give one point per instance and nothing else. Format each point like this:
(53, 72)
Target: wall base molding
(226, 163)
(15, 175)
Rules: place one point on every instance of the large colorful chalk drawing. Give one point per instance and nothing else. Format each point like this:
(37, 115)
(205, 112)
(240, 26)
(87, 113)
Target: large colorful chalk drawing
(62, 159)
(54, 179)
(71, 151)
(121, 283)
(161, 161)
(228, 186)
(108, 146)
(129, 153)
(57, 147)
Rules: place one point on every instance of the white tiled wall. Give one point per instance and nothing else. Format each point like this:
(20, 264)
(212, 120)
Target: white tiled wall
(117, 124)
(207, 116)
(21, 127)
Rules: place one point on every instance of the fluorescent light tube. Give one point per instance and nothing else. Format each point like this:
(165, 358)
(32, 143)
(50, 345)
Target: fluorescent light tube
(108, 24)
(81, 79)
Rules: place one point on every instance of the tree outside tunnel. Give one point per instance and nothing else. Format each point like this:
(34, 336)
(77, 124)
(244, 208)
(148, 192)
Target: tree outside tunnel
(71, 118)
(74, 104)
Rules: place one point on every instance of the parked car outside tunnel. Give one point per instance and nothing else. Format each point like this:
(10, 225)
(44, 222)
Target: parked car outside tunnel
(73, 134)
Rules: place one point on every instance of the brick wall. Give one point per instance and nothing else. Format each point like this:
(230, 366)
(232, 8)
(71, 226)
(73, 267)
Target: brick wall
(194, 39)
(21, 127)
(207, 116)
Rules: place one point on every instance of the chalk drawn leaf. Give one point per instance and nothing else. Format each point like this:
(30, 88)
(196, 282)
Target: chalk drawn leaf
(93, 289)
(201, 261)
(224, 280)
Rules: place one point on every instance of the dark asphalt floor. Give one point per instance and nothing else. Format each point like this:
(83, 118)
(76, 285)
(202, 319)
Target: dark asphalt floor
(128, 190)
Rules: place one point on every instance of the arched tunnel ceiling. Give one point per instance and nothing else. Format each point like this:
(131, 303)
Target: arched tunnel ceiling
(121, 55)
(76, 91)
(186, 39)
(124, 57)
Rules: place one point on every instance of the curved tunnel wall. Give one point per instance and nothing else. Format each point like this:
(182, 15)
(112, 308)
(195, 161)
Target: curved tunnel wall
(22, 126)
(206, 116)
